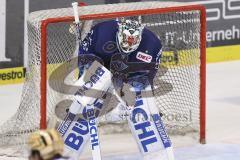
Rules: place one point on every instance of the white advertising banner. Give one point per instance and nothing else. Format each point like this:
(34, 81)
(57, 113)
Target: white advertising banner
(3, 31)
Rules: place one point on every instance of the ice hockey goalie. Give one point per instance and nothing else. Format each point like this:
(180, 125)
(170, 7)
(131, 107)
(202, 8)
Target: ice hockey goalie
(129, 53)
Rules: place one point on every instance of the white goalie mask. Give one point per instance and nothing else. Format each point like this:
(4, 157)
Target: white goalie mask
(129, 35)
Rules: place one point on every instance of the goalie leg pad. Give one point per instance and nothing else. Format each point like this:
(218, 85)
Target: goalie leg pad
(147, 127)
(77, 131)
(95, 82)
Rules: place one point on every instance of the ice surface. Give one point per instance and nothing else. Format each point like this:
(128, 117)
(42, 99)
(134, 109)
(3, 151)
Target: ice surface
(223, 120)
(198, 152)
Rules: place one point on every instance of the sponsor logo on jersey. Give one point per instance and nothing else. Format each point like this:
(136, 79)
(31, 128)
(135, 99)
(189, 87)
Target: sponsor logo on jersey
(110, 47)
(158, 59)
(87, 42)
(144, 57)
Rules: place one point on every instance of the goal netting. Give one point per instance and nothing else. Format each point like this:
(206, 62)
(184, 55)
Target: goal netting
(179, 84)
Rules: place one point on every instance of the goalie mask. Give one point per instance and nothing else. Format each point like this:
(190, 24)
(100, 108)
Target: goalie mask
(129, 35)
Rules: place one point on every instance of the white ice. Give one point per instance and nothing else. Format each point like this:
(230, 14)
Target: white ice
(223, 120)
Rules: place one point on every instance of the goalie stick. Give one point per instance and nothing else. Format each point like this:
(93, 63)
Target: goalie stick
(91, 127)
(77, 21)
(95, 145)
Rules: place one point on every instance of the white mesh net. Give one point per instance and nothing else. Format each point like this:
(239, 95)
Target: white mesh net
(177, 84)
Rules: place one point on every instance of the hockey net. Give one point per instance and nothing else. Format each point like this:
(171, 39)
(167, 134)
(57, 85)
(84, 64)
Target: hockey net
(179, 84)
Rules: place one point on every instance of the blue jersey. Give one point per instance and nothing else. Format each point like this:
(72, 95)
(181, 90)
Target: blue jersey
(101, 41)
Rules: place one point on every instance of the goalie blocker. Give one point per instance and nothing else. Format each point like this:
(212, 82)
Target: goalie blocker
(144, 120)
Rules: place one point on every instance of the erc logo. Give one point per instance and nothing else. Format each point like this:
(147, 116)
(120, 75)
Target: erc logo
(144, 57)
